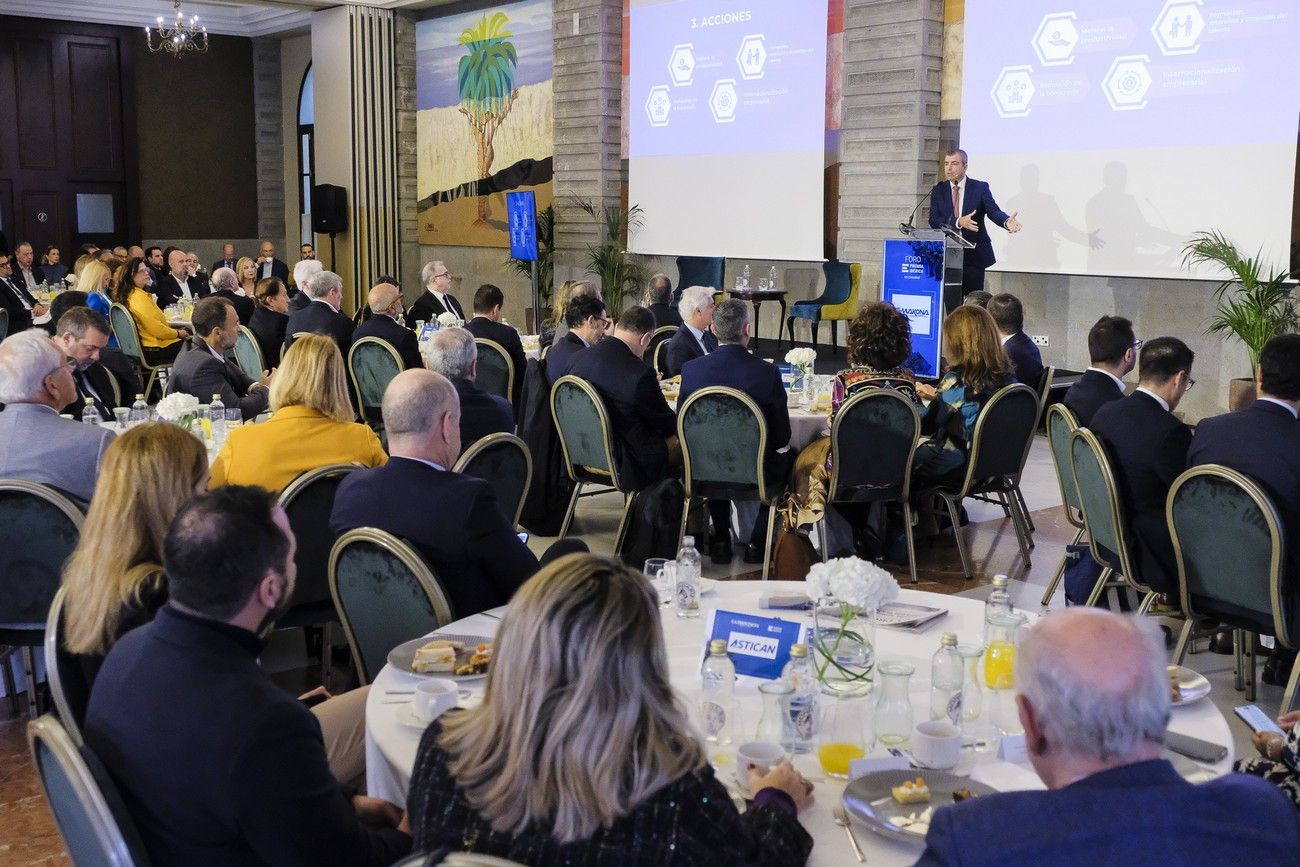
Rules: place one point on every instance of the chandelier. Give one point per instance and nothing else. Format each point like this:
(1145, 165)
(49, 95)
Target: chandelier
(180, 37)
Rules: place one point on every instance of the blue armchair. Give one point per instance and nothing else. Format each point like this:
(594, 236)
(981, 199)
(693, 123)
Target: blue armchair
(698, 271)
(838, 302)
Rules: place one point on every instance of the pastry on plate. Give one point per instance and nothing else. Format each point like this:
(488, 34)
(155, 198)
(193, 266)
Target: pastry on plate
(911, 792)
(437, 655)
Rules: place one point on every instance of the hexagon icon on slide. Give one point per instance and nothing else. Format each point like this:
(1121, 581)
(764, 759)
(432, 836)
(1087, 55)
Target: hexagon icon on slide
(681, 65)
(1055, 39)
(1013, 91)
(658, 105)
(723, 99)
(752, 56)
(1178, 27)
(1127, 82)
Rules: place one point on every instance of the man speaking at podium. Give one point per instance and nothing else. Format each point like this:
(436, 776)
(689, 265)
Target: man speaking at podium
(965, 202)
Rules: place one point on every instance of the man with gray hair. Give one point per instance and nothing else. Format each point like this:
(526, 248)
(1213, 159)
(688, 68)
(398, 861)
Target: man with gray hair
(437, 298)
(659, 301)
(693, 338)
(733, 366)
(385, 303)
(303, 273)
(322, 315)
(472, 545)
(225, 284)
(35, 443)
(453, 353)
(1094, 702)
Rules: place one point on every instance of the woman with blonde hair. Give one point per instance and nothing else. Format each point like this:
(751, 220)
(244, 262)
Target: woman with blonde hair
(977, 368)
(246, 272)
(311, 423)
(570, 290)
(581, 753)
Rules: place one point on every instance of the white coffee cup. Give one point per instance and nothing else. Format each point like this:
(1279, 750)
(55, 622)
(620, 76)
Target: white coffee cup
(434, 697)
(763, 755)
(936, 744)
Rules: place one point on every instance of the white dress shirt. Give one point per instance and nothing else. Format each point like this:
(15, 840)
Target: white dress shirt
(1157, 398)
(698, 335)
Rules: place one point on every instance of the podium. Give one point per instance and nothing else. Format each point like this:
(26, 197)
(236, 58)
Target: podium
(922, 277)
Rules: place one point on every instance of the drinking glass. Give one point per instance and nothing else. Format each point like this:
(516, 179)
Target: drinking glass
(894, 716)
(763, 284)
(774, 726)
(1004, 631)
(654, 570)
(843, 733)
(122, 414)
(234, 417)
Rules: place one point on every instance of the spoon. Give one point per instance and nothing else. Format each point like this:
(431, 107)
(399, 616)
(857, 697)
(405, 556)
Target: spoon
(843, 821)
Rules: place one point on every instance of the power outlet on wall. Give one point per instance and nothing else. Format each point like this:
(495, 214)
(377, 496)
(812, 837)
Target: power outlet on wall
(1039, 339)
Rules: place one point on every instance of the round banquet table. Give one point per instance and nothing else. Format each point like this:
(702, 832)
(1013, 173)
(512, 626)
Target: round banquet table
(391, 744)
(805, 426)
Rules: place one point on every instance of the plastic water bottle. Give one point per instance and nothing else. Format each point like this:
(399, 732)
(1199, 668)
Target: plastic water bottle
(998, 602)
(799, 674)
(771, 277)
(217, 417)
(687, 592)
(946, 677)
(717, 701)
(90, 415)
(744, 276)
(162, 382)
(139, 412)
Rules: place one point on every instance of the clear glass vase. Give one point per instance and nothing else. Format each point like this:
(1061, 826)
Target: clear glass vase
(844, 645)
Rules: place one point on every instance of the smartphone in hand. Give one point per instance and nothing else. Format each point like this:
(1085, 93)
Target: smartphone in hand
(1257, 719)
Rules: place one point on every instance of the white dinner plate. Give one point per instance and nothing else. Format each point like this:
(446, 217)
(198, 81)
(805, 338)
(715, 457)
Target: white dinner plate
(406, 716)
(401, 656)
(1192, 686)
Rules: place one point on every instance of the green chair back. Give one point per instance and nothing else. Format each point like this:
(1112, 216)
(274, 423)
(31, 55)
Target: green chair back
(873, 439)
(505, 462)
(385, 594)
(585, 432)
(4, 324)
(39, 529)
(1061, 425)
(92, 818)
(248, 354)
(1002, 436)
(1237, 583)
(128, 336)
(653, 356)
(723, 435)
(307, 502)
(1103, 511)
(496, 369)
(373, 363)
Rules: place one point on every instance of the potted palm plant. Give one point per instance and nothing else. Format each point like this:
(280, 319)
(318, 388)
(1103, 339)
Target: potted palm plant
(620, 275)
(1252, 305)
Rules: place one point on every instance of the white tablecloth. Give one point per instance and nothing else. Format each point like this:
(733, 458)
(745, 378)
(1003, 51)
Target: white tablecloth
(391, 745)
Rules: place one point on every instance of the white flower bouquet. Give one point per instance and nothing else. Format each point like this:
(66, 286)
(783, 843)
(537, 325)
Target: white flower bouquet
(853, 582)
(844, 588)
(801, 356)
(179, 409)
(449, 320)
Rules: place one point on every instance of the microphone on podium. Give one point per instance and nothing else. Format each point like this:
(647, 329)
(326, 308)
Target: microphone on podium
(909, 227)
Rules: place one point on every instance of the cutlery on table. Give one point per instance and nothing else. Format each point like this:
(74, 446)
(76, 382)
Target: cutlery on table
(842, 820)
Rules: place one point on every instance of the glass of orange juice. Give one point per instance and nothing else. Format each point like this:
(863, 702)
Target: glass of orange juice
(844, 734)
(1000, 652)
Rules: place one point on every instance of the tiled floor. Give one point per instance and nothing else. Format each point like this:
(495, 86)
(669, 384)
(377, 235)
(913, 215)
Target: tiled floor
(28, 834)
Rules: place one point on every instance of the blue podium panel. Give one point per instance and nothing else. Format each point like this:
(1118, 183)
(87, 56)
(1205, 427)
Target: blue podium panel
(913, 282)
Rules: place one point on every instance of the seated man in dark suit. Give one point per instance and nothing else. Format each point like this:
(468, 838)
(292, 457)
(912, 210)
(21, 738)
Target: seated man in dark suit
(460, 529)
(111, 359)
(453, 353)
(436, 298)
(1094, 703)
(1148, 450)
(732, 365)
(226, 767)
(203, 370)
(15, 298)
(82, 334)
(303, 272)
(587, 320)
(385, 302)
(178, 283)
(268, 265)
(659, 300)
(226, 285)
(1112, 351)
(1009, 314)
(487, 325)
(693, 338)
(644, 427)
(322, 315)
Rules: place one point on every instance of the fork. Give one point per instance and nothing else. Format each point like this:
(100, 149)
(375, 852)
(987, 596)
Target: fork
(843, 821)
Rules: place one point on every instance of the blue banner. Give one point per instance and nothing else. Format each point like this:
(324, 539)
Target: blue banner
(521, 211)
(758, 646)
(913, 282)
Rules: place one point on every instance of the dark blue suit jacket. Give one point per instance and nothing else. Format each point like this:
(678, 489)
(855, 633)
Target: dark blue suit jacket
(1090, 393)
(481, 413)
(319, 318)
(733, 366)
(562, 352)
(683, 347)
(1134, 815)
(400, 338)
(1148, 448)
(1026, 358)
(464, 536)
(217, 764)
(1261, 441)
(978, 199)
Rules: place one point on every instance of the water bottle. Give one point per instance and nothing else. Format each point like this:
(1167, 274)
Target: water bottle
(139, 412)
(771, 277)
(744, 276)
(717, 702)
(946, 678)
(90, 415)
(687, 592)
(162, 382)
(998, 602)
(801, 677)
(217, 417)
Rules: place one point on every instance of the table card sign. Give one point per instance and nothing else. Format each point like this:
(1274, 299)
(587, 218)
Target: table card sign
(1012, 749)
(758, 646)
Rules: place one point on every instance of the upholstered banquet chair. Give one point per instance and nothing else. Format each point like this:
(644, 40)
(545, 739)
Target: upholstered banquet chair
(128, 340)
(248, 354)
(839, 301)
(385, 594)
(496, 369)
(723, 435)
(587, 442)
(4, 324)
(1061, 425)
(699, 271)
(503, 460)
(658, 340)
(372, 364)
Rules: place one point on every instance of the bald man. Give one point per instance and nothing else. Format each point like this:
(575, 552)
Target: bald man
(385, 303)
(1094, 702)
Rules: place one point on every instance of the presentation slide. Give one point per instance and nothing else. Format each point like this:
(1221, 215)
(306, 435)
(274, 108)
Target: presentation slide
(1118, 128)
(726, 141)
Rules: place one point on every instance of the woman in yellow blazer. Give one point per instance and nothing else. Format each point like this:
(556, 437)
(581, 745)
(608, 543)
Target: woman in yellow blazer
(311, 424)
(159, 341)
